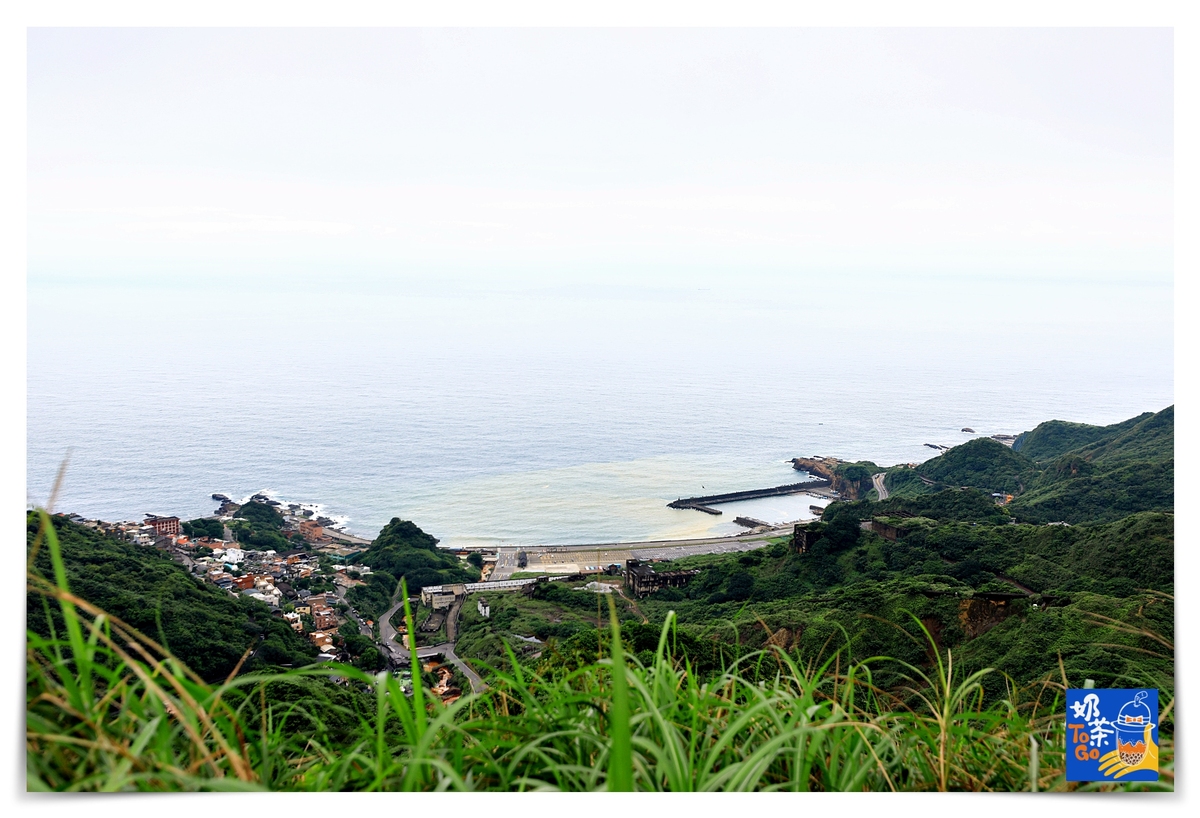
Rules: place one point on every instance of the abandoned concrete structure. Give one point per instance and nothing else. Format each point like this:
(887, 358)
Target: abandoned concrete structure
(803, 538)
(641, 580)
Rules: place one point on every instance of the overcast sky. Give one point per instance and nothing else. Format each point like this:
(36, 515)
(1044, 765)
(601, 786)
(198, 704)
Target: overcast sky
(287, 155)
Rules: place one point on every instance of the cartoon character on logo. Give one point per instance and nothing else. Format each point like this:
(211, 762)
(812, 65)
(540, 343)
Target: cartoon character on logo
(1136, 749)
(1104, 749)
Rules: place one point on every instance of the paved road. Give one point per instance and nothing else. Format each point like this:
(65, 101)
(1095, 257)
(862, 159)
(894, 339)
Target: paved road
(387, 634)
(348, 538)
(877, 479)
(570, 559)
(401, 656)
(477, 684)
(340, 592)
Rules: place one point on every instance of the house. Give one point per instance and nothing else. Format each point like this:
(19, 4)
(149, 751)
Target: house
(163, 526)
(323, 641)
(324, 618)
(267, 599)
(311, 530)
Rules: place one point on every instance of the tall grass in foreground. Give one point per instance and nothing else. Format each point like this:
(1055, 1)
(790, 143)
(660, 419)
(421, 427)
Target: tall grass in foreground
(110, 709)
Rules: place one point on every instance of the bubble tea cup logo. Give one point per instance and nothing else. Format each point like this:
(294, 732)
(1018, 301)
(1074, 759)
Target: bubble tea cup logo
(1112, 735)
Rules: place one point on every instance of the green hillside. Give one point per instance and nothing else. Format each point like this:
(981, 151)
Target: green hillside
(983, 464)
(406, 552)
(1053, 438)
(851, 583)
(200, 623)
(259, 526)
(1060, 471)
(1152, 439)
(1130, 468)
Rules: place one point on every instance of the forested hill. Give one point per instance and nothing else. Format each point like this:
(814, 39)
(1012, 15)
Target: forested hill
(1129, 468)
(201, 624)
(405, 551)
(982, 463)
(1059, 471)
(1053, 438)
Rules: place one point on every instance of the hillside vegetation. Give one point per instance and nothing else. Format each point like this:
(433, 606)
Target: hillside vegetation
(201, 624)
(1053, 438)
(259, 526)
(1127, 469)
(1062, 472)
(406, 552)
(617, 723)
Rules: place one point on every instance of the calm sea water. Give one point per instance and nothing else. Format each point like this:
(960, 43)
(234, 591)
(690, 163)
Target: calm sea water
(554, 413)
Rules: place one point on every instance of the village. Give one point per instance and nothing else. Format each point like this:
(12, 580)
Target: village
(305, 585)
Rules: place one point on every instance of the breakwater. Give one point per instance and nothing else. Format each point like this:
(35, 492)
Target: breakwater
(705, 503)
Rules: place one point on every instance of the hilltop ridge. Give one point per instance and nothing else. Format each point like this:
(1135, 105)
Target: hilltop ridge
(1061, 471)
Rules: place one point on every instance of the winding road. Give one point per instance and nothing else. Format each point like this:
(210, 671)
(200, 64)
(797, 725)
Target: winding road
(399, 655)
(877, 480)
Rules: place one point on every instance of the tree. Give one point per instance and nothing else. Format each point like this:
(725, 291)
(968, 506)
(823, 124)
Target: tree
(740, 586)
(370, 659)
(204, 527)
(260, 515)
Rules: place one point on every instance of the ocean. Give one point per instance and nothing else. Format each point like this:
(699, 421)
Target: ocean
(494, 410)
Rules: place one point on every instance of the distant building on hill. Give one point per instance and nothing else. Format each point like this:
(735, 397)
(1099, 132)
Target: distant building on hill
(311, 530)
(163, 526)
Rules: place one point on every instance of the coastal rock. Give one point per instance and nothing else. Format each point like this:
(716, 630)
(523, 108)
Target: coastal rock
(826, 469)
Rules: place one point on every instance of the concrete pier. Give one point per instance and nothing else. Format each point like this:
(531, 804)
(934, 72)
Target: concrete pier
(704, 503)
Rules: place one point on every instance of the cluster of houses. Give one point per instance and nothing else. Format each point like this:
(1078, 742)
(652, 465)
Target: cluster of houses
(147, 532)
(325, 621)
(266, 576)
(261, 575)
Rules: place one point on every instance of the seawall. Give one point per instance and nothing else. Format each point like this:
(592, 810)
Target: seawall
(705, 503)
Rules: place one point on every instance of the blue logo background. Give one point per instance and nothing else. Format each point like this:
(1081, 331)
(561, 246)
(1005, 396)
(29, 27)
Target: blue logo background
(1112, 735)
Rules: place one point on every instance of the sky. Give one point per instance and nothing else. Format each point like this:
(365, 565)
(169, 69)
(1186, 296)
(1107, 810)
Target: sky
(521, 193)
(626, 157)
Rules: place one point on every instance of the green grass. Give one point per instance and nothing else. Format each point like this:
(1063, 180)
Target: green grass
(108, 709)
